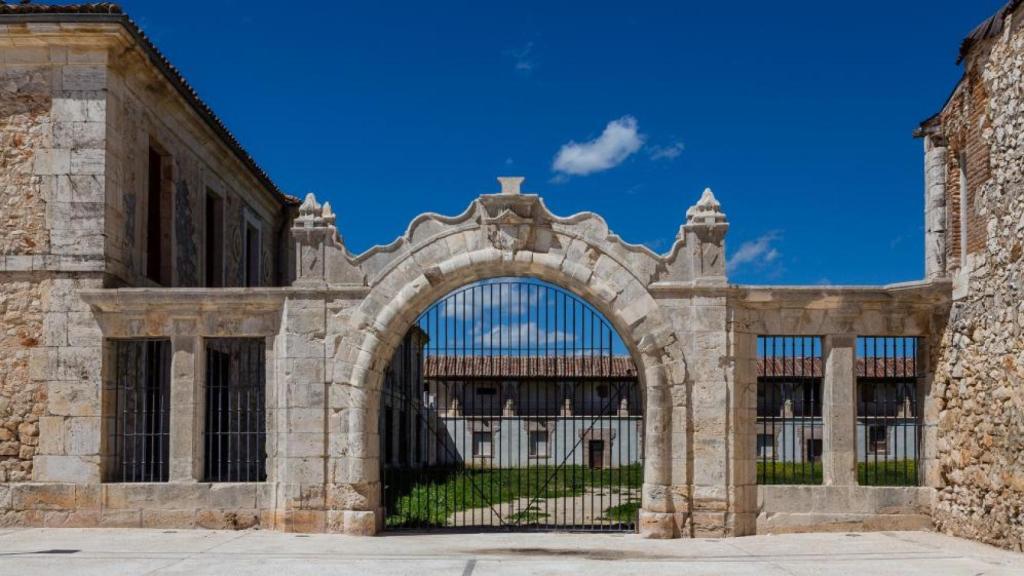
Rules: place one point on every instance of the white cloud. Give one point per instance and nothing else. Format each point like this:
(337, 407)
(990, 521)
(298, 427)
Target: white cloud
(619, 141)
(759, 252)
(521, 58)
(670, 152)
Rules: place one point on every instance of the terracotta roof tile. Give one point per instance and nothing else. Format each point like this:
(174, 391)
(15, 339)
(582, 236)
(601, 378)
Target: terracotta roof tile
(813, 368)
(528, 366)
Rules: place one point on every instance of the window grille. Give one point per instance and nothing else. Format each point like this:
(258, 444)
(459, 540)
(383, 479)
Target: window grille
(789, 423)
(888, 421)
(140, 438)
(236, 432)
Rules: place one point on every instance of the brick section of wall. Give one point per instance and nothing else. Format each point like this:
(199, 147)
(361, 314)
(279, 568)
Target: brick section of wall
(965, 124)
(978, 388)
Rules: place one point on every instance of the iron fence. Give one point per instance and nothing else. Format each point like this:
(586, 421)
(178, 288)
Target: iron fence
(140, 430)
(888, 418)
(789, 426)
(235, 432)
(511, 404)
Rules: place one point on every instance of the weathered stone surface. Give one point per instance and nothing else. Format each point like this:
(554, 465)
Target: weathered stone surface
(977, 396)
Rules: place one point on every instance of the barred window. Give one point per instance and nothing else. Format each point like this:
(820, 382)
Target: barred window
(236, 432)
(888, 423)
(138, 429)
(789, 426)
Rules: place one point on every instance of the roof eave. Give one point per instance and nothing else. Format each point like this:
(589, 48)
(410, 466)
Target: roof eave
(172, 75)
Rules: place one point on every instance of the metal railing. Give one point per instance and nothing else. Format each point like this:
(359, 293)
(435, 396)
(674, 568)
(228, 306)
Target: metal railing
(140, 427)
(236, 434)
(888, 417)
(789, 427)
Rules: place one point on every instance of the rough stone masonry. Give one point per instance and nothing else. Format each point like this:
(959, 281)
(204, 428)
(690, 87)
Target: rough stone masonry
(133, 220)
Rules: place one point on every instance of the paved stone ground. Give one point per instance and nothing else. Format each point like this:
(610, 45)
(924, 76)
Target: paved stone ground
(40, 552)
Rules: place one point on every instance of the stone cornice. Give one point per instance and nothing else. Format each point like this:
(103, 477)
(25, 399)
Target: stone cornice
(924, 294)
(228, 300)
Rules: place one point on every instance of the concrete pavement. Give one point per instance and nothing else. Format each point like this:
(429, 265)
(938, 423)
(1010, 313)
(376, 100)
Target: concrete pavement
(113, 552)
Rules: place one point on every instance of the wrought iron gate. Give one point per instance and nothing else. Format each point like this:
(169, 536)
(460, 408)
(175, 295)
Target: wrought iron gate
(511, 404)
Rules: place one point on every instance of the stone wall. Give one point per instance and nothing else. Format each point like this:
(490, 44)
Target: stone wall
(979, 385)
(24, 128)
(22, 397)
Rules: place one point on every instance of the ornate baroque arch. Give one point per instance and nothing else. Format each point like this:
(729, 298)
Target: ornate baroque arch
(505, 234)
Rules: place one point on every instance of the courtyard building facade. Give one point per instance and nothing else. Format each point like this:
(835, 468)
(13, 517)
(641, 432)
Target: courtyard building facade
(185, 345)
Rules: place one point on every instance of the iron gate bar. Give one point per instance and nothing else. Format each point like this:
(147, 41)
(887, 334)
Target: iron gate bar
(501, 459)
(141, 388)
(789, 374)
(891, 374)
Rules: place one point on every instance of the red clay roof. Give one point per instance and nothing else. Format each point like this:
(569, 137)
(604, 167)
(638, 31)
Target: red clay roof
(528, 367)
(870, 367)
(110, 12)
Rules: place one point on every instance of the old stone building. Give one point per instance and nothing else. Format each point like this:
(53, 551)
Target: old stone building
(184, 345)
(974, 159)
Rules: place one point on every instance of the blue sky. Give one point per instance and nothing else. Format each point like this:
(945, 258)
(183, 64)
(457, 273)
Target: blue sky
(797, 114)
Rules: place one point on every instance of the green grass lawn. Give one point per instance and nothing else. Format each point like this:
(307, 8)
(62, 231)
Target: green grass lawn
(625, 513)
(440, 493)
(893, 473)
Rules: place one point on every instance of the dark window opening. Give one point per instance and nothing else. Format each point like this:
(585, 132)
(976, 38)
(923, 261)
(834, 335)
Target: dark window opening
(214, 240)
(814, 449)
(140, 427)
(158, 229)
(236, 432)
(486, 391)
(253, 249)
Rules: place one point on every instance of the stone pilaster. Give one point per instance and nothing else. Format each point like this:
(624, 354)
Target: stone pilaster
(839, 410)
(186, 421)
(300, 415)
(934, 208)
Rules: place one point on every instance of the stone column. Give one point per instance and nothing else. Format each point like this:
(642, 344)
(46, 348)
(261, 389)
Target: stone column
(301, 417)
(656, 516)
(934, 208)
(839, 410)
(743, 437)
(186, 421)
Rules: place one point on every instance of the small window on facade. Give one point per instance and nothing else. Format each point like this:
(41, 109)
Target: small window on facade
(236, 432)
(253, 250)
(158, 225)
(877, 439)
(138, 422)
(765, 445)
(814, 449)
(602, 390)
(486, 391)
(214, 239)
(539, 443)
(482, 444)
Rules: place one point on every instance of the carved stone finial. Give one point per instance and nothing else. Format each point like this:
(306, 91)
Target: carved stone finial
(310, 208)
(328, 215)
(707, 210)
(511, 184)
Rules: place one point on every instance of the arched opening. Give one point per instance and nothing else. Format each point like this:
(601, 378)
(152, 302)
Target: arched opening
(511, 403)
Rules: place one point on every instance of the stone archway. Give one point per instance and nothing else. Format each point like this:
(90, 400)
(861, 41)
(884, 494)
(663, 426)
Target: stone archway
(505, 234)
